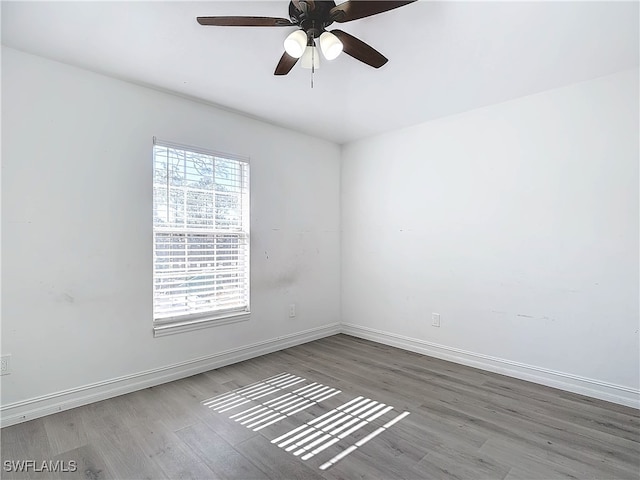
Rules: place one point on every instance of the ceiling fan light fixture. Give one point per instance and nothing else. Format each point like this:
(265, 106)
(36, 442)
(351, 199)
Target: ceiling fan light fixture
(310, 58)
(310, 18)
(330, 45)
(296, 43)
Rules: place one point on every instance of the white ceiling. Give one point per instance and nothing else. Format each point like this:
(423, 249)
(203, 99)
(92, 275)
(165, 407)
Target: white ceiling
(445, 57)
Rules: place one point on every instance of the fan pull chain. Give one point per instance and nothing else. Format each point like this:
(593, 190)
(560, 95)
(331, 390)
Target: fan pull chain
(313, 64)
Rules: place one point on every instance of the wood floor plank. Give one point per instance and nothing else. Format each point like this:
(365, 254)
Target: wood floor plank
(232, 432)
(123, 456)
(89, 465)
(201, 387)
(175, 458)
(531, 462)
(218, 455)
(65, 432)
(465, 463)
(180, 408)
(13, 449)
(25, 442)
(462, 466)
(539, 432)
(596, 418)
(274, 462)
(375, 462)
(112, 415)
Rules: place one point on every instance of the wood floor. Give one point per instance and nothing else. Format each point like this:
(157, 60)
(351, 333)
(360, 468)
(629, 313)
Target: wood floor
(463, 423)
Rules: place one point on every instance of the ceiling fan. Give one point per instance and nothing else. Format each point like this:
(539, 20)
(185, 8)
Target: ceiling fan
(312, 17)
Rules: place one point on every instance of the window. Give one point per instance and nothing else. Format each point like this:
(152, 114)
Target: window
(200, 238)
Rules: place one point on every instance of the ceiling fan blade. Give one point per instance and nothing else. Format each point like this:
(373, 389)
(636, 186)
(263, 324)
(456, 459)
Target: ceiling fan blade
(360, 50)
(355, 9)
(303, 5)
(285, 64)
(244, 21)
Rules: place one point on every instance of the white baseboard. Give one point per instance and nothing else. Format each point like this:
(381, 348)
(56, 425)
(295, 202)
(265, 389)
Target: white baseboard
(551, 378)
(36, 407)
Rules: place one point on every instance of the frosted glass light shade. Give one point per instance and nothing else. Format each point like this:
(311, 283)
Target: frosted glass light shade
(296, 43)
(331, 45)
(309, 54)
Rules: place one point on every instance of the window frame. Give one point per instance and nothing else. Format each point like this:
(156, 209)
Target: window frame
(209, 318)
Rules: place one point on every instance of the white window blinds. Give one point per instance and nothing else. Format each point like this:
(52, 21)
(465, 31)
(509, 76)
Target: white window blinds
(200, 234)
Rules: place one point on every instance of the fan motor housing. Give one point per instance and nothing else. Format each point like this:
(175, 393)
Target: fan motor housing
(313, 16)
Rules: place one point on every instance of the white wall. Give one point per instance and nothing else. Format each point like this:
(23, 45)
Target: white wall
(77, 229)
(518, 223)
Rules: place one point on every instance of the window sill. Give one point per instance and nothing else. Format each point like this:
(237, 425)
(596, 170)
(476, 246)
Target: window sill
(206, 321)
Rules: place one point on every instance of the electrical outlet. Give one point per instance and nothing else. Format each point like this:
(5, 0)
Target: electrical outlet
(435, 319)
(292, 310)
(5, 364)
